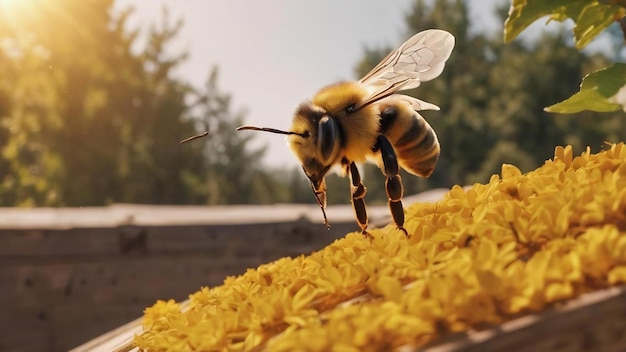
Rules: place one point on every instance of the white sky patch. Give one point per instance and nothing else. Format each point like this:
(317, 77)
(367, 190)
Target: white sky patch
(619, 98)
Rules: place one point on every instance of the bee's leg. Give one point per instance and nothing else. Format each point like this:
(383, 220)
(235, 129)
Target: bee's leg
(358, 198)
(320, 196)
(393, 184)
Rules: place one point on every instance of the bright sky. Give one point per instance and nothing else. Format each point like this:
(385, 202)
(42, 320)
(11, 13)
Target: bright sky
(274, 54)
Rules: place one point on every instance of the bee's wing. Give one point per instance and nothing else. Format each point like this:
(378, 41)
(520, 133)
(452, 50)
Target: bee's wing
(419, 59)
(416, 104)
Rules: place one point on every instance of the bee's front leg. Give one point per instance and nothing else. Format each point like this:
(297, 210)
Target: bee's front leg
(319, 190)
(358, 198)
(393, 184)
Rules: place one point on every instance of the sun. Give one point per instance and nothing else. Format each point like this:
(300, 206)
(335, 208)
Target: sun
(13, 8)
(10, 5)
(12, 12)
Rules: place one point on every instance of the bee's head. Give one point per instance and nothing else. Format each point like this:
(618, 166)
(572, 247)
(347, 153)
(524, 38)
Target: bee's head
(318, 144)
(319, 120)
(315, 138)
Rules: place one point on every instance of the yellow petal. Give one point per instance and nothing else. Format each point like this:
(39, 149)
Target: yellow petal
(617, 275)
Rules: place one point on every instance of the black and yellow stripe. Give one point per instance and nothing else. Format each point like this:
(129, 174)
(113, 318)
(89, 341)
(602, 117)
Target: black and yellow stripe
(413, 139)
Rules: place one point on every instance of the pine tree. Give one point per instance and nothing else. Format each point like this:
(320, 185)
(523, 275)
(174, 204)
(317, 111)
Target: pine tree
(88, 116)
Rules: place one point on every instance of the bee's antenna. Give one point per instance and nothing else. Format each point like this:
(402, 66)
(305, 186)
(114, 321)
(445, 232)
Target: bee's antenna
(272, 130)
(194, 137)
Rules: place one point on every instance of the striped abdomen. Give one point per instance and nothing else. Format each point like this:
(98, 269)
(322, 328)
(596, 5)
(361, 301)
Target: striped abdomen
(414, 141)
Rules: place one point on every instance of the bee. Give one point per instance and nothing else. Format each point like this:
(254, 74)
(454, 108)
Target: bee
(357, 121)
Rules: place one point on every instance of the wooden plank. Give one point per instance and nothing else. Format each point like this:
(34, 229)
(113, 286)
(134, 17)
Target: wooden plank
(25, 328)
(117, 280)
(117, 340)
(153, 215)
(15, 243)
(88, 324)
(167, 215)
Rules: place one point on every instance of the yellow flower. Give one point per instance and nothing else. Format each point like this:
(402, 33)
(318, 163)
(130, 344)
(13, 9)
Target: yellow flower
(479, 256)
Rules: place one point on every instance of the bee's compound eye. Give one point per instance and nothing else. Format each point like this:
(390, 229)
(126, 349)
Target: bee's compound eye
(350, 108)
(328, 140)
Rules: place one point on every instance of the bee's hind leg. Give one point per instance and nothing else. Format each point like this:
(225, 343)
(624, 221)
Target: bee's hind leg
(358, 198)
(393, 184)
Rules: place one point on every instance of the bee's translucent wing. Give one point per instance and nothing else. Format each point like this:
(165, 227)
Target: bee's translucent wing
(419, 59)
(416, 104)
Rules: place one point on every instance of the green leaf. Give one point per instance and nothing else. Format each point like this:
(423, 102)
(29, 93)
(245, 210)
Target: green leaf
(524, 12)
(572, 10)
(593, 19)
(603, 90)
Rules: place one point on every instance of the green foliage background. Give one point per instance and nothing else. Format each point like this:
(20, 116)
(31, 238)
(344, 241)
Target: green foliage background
(87, 120)
(492, 97)
(600, 90)
(104, 126)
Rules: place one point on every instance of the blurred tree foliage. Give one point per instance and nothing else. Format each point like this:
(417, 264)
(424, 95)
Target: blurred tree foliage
(235, 172)
(91, 112)
(89, 116)
(492, 97)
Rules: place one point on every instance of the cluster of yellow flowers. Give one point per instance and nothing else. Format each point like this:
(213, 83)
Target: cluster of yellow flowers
(475, 259)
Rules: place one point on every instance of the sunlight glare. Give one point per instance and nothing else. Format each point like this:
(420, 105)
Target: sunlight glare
(16, 12)
(10, 5)
(15, 8)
